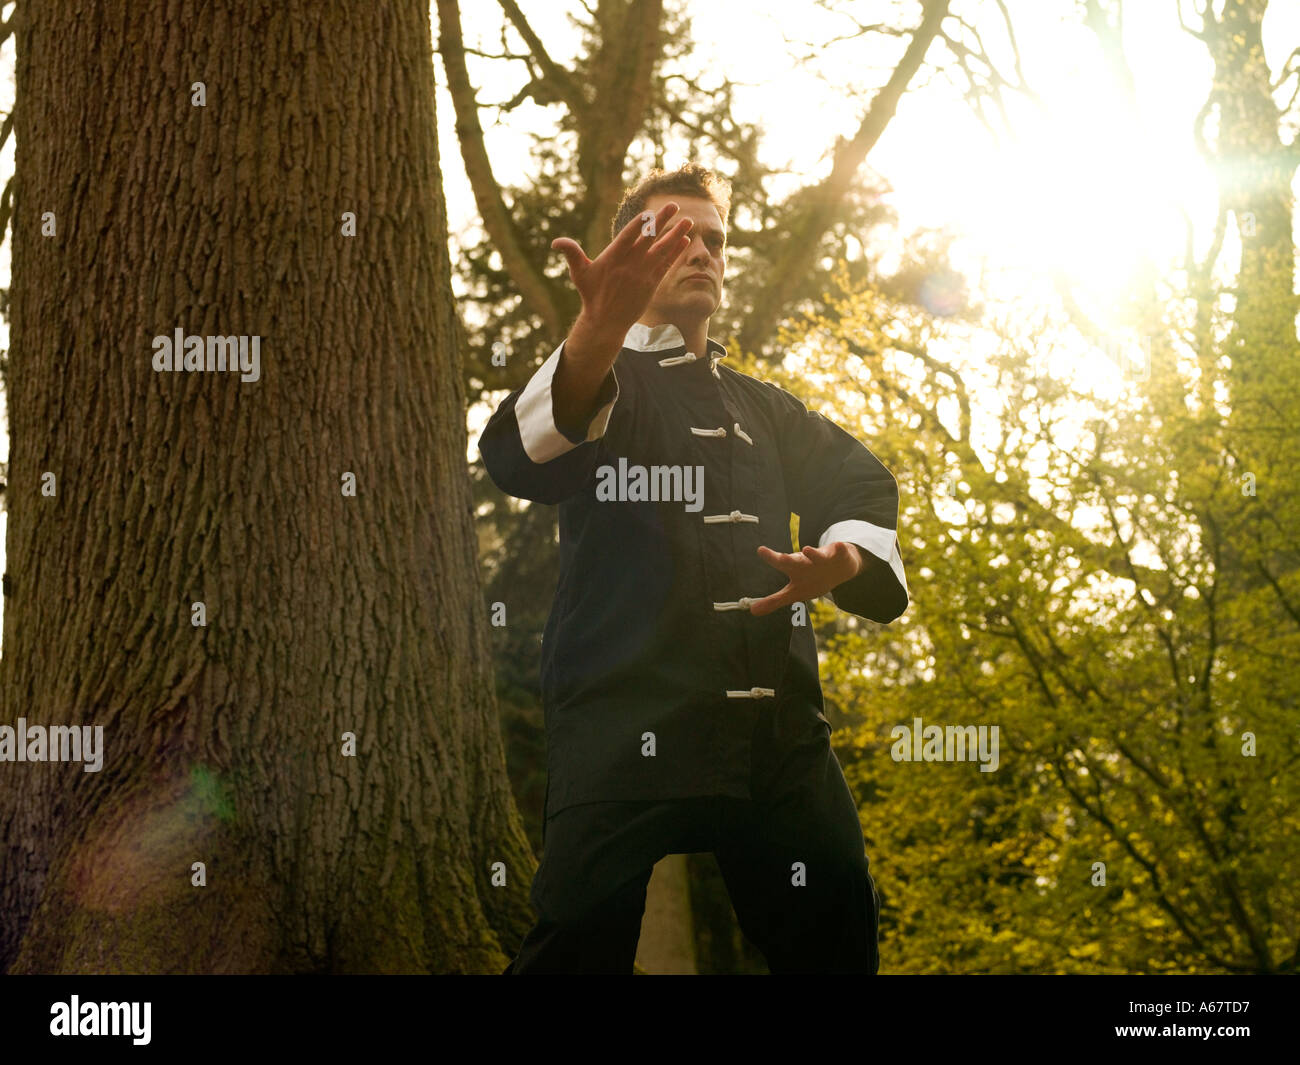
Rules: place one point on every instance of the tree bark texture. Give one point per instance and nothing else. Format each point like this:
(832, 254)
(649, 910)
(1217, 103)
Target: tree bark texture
(326, 613)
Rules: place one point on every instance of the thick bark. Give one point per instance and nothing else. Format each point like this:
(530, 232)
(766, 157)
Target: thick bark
(326, 613)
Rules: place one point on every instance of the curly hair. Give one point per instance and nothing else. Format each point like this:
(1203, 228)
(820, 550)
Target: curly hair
(692, 179)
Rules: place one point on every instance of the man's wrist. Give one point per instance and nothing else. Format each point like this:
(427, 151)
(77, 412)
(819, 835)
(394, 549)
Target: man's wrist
(596, 336)
(587, 357)
(858, 556)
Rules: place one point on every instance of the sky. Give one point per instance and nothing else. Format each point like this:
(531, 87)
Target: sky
(1087, 153)
(1087, 186)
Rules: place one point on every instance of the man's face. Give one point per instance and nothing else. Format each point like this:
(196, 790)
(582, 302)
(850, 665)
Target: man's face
(681, 296)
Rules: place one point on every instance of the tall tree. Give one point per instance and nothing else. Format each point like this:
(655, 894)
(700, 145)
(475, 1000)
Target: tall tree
(269, 173)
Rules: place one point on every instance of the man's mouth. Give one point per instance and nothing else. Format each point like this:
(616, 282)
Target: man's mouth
(700, 277)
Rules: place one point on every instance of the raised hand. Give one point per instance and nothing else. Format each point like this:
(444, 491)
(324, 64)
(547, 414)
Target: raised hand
(616, 286)
(814, 571)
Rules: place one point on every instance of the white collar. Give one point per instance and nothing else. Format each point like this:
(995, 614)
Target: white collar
(663, 337)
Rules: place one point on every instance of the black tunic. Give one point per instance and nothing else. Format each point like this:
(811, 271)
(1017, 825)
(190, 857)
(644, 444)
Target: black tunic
(650, 632)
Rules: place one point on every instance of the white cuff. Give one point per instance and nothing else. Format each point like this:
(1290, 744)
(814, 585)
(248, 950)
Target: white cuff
(881, 542)
(535, 412)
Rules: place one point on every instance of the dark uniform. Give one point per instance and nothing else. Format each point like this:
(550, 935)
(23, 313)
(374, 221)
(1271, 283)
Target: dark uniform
(676, 721)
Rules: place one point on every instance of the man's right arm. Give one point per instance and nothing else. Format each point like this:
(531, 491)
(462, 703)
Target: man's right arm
(586, 362)
(539, 443)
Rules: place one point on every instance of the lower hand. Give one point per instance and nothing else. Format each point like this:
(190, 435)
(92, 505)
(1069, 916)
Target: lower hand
(813, 572)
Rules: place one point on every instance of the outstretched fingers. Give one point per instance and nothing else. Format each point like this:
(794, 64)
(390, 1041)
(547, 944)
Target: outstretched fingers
(794, 567)
(673, 243)
(573, 255)
(770, 603)
(787, 564)
(642, 231)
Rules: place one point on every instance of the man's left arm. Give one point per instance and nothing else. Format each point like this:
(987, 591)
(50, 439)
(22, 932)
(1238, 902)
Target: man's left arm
(842, 494)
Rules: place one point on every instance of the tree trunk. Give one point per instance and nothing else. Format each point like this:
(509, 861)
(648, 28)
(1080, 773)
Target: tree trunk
(327, 613)
(667, 944)
(1255, 171)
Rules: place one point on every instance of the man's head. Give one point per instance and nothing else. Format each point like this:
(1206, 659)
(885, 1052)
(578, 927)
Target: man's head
(705, 198)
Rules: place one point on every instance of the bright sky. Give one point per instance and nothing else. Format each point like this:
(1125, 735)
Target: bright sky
(1087, 187)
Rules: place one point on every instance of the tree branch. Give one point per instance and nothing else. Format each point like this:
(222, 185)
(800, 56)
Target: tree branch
(623, 77)
(796, 260)
(532, 285)
(561, 79)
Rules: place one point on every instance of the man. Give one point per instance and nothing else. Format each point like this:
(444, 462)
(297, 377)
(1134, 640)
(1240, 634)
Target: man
(679, 672)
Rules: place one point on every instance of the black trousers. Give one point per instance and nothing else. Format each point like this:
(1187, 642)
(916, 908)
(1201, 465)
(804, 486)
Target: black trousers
(792, 857)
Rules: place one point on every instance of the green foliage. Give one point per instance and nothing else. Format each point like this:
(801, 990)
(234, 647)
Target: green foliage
(1088, 576)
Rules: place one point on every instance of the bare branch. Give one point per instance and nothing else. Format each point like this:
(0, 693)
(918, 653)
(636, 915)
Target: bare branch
(1287, 70)
(1110, 36)
(1198, 34)
(795, 260)
(1011, 38)
(6, 206)
(622, 78)
(562, 79)
(533, 287)
(496, 55)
